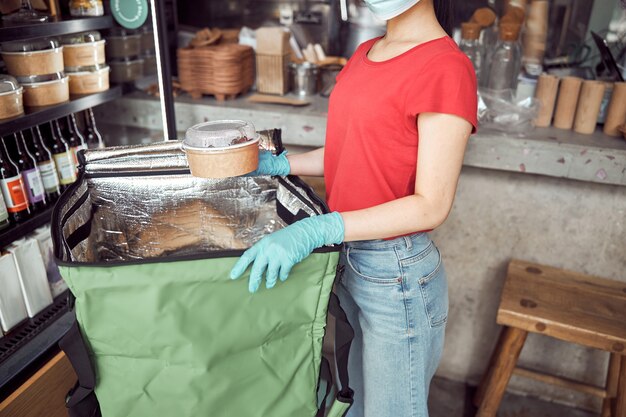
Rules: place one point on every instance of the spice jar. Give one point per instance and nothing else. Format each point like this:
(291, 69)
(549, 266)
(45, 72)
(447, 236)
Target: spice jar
(33, 57)
(10, 97)
(84, 49)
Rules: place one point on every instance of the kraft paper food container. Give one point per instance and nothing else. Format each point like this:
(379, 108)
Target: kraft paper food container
(46, 93)
(37, 57)
(10, 97)
(84, 54)
(88, 82)
(221, 149)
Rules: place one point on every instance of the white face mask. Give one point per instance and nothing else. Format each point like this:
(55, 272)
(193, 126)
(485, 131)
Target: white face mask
(388, 9)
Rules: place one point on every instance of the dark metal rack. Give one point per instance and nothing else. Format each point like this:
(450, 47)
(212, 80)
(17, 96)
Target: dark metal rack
(31, 340)
(55, 27)
(20, 230)
(24, 348)
(38, 115)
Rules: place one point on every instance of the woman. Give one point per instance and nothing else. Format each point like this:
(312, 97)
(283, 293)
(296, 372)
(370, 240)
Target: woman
(399, 120)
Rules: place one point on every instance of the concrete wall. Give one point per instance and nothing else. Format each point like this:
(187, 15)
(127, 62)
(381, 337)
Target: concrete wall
(558, 222)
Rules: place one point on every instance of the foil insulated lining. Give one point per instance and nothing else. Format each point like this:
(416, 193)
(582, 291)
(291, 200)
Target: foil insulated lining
(140, 202)
(148, 217)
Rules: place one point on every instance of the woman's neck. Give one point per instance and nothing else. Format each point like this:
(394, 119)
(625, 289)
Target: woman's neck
(418, 24)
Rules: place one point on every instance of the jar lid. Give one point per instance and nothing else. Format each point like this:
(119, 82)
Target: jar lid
(8, 83)
(82, 37)
(219, 134)
(31, 45)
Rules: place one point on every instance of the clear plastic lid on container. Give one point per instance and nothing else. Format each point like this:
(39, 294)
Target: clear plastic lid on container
(82, 37)
(31, 45)
(220, 134)
(41, 78)
(87, 68)
(8, 84)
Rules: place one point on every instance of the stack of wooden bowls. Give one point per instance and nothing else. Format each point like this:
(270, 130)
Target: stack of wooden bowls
(222, 70)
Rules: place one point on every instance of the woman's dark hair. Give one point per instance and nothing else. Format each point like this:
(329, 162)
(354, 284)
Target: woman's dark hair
(445, 14)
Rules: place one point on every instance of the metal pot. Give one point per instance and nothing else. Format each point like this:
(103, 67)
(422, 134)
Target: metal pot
(304, 78)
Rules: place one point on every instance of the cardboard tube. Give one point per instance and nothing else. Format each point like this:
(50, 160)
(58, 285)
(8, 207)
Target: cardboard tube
(616, 114)
(567, 102)
(589, 102)
(547, 86)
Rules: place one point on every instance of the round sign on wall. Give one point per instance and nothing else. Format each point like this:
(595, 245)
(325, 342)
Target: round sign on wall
(130, 13)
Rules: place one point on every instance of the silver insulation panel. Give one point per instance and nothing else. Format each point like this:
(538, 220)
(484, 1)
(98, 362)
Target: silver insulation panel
(140, 202)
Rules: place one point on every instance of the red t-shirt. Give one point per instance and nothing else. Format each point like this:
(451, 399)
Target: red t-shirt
(370, 156)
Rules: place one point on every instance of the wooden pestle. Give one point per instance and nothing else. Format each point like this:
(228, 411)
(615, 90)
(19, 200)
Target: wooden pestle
(569, 91)
(616, 114)
(591, 95)
(547, 87)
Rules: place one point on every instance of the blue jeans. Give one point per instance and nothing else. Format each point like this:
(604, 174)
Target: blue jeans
(395, 294)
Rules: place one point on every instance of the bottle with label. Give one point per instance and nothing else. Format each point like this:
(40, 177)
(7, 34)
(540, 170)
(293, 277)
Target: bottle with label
(77, 139)
(31, 177)
(46, 165)
(94, 138)
(62, 156)
(12, 188)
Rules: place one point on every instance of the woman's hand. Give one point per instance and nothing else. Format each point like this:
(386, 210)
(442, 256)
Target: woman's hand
(280, 251)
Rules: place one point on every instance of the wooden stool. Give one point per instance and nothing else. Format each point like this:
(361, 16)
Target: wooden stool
(569, 306)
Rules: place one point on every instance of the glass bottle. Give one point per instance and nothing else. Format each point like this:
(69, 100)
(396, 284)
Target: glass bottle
(62, 156)
(506, 62)
(31, 177)
(12, 188)
(78, 138)
(470, 45)
(94, 138)
(46, 165)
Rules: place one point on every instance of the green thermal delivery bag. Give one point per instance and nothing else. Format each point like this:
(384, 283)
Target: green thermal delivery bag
(161, 330)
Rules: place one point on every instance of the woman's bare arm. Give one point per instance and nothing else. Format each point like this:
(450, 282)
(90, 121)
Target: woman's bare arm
(308, 163)
(442, 142)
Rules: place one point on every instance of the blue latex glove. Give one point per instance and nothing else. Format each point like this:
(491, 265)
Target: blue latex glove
(281, 250)
(270, 164)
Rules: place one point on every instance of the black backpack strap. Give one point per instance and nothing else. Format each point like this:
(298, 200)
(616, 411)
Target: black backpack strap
(81, 401)
(343, 339)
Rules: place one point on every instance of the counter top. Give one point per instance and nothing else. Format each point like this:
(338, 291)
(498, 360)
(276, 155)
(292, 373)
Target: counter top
(546, 151)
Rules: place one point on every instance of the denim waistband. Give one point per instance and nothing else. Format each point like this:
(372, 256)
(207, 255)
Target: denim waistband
(405, 242)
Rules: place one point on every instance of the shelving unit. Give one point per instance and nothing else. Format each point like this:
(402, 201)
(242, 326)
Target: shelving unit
(38, 115)
(56, 27)
(24, 348)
